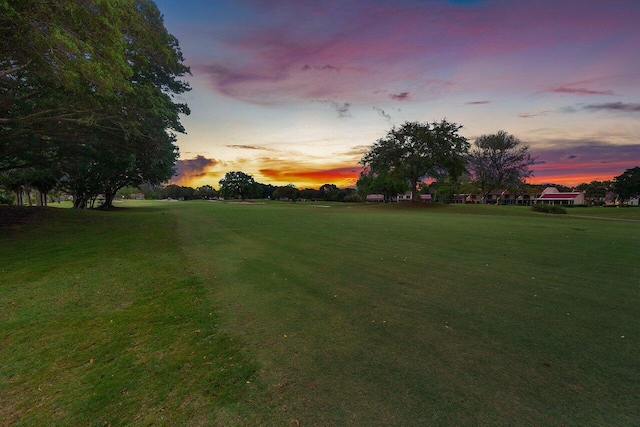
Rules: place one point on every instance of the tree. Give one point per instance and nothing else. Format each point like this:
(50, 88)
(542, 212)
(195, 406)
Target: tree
(206, 192)
(499, 160)
(288, 192)
(89, 86)
(236, 184)
(596, 191)
(627, 184)
(380, 183)
(415, 151)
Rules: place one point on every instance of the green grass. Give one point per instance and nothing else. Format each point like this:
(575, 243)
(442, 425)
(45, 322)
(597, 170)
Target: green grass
(339, 315)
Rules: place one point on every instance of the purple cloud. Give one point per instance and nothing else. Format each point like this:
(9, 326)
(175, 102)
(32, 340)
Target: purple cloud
(188, 169)
(477, 102)
(614, 106)
(402, 96)
(580, 91)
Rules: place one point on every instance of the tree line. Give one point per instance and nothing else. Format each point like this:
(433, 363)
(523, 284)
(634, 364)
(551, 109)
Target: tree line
(414, 151)
(244, 187)
(87, 97)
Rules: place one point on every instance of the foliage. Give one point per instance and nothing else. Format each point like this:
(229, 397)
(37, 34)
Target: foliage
(287, 192)
(206, 192)
(353, 198)
(627, 184)
(88, 86)
(499, 161)
(596, 191)
(380, 183)
(413, 152)
(6, 198)
(548, 208)
(310, 194)
(236, 184)
(178, 192)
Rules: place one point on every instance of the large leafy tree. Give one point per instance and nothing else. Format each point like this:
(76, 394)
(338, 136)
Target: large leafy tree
(627, 184)
(89, 86)
(236, 184)
(414, 151)
(499, 161)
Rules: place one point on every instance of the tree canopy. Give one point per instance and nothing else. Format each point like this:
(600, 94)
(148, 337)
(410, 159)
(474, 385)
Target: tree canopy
(236, 184)
(413, 152)
(627, 184)
(499, 160)
(86, 88)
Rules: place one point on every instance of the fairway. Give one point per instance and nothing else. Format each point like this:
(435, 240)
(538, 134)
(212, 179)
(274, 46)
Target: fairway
(212, 313)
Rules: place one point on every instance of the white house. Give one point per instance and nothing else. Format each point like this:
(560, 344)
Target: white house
(406, 197)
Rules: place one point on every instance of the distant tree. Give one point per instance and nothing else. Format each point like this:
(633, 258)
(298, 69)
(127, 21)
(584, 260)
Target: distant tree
(415, 151)
(596, 191)
(265, 190)
(380, 183)
(627, 184)
(288, 192)
(310, 194)
(236, 184)
(499, 161)
(206, 192)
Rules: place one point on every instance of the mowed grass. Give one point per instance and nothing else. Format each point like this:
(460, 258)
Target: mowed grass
(321, 314)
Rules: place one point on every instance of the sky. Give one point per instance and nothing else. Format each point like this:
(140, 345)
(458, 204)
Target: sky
(296, 91)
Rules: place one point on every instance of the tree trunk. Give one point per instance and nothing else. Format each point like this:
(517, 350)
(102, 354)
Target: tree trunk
(79, 201)
(108, 199)
(414, 191)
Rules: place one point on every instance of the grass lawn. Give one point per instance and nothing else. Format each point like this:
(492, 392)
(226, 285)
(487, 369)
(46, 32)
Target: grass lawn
(209, 313)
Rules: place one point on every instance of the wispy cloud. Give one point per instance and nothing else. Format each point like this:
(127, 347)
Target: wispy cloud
(326, 67)
(580, 91)
(250, 147)
(477, 102)
(532, 115)
(382, 113)
(614, 106)
(342, 108)
(402, 96)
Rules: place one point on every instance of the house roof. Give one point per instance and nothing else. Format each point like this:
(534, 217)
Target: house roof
(559, 196)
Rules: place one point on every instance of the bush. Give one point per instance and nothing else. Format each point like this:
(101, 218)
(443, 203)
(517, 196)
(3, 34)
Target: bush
(552, 209)
(6, 198)
(353, 198)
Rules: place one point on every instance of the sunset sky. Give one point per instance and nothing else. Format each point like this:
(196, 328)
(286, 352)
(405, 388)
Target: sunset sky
(295, 91)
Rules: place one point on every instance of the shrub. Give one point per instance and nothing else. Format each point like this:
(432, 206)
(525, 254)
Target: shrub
(353, 198)
(6, 198)
(552, 209)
